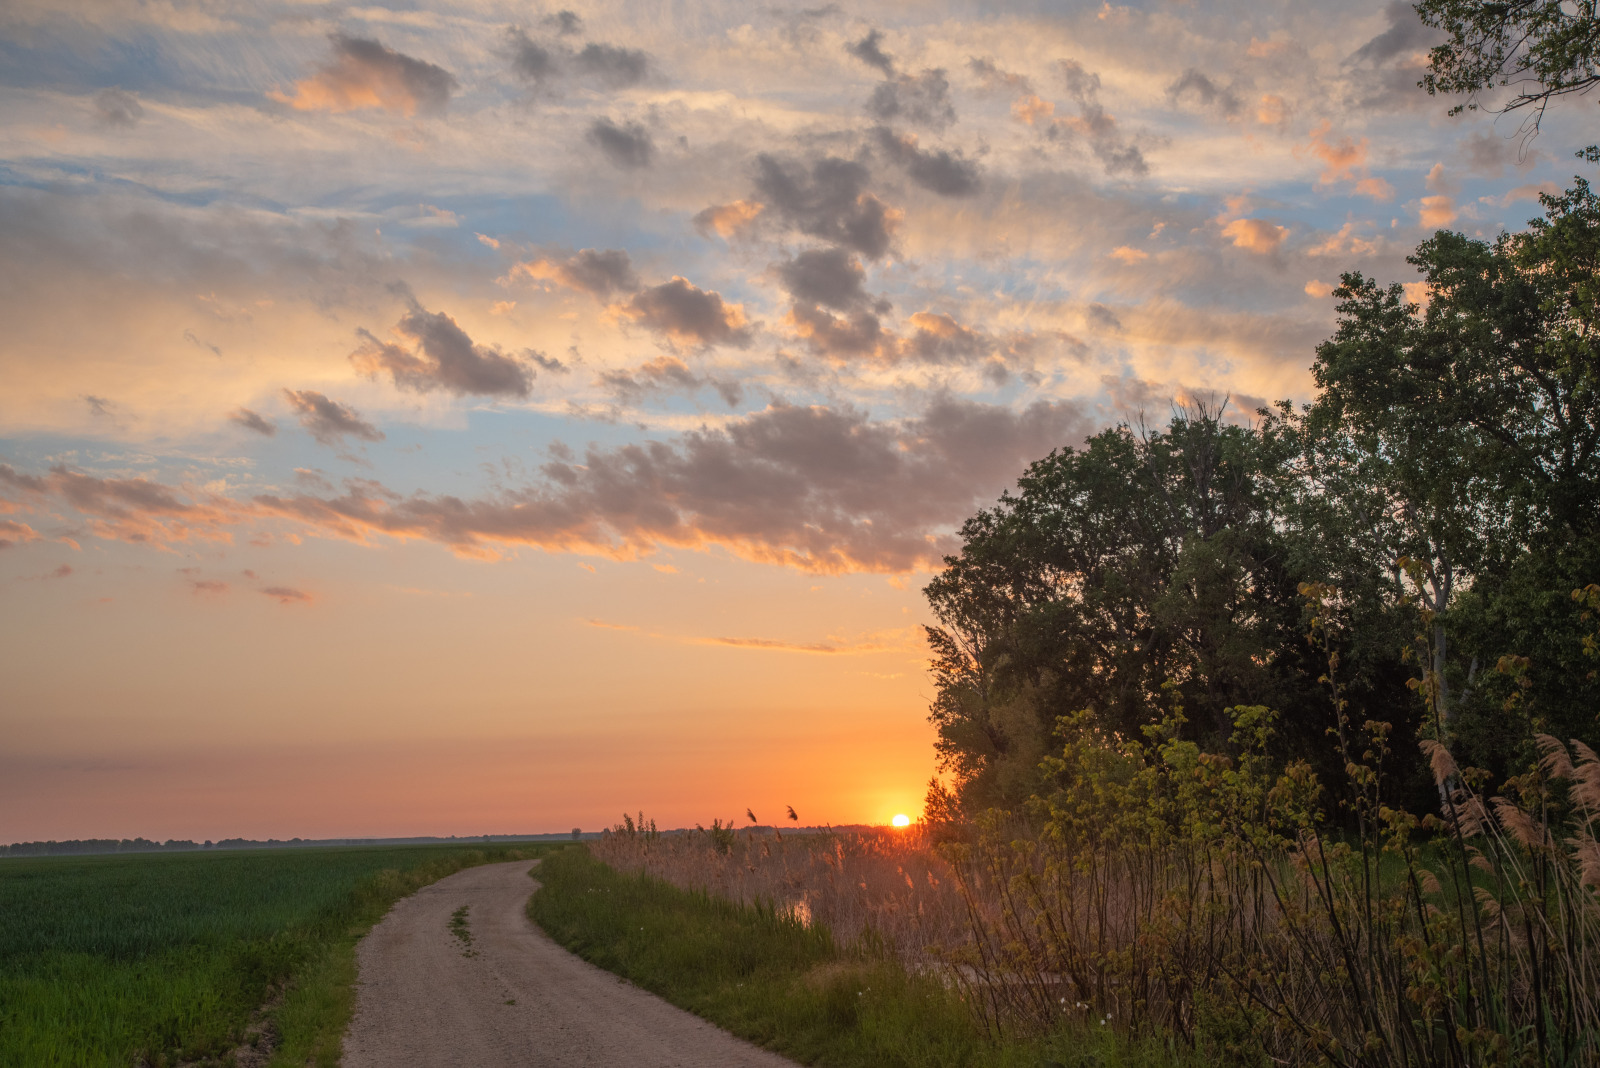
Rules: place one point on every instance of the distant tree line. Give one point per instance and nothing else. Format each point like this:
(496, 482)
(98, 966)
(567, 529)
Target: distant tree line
(1436, 509)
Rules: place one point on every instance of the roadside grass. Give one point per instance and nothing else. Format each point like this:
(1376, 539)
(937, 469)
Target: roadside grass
(161, 959)
(762, 975)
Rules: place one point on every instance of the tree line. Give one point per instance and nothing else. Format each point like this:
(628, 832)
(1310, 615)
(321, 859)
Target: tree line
(1435, 510)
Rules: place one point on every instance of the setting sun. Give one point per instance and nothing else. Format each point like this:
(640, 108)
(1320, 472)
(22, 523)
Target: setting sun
(901, 820)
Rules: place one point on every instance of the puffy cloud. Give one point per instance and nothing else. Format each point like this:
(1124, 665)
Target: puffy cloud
(1346, 160)
(828, 201)
(287, 595)
(827, 276)
(841, 338)
(440, 356)
(823, 489)
(327, 420)
(117, 107)
(1192, 84)
(364, 73)
(1255, 235)
(253, 421)
(1128, 255)
(686, 314)
(627, 146)
(921, 100)
(728, 220)
(869, 50)
(949, 174)
(598, 272)
(1436, 212)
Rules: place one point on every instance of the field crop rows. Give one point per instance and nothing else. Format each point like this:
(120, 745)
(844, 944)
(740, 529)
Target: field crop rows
(165, 958)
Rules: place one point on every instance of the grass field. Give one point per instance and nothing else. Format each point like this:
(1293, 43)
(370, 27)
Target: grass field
(165, 958)
(789, 987)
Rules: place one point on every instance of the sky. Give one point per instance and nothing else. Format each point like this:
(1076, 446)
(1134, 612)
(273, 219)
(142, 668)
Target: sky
(478, 417)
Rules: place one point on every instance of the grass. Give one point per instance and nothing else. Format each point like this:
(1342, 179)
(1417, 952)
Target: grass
(762, 975)
(161, 959)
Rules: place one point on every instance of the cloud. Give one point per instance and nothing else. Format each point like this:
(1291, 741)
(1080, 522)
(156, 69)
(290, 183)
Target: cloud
(126, 509)
(13, 533)
(100, 407)
(1346, 160)
(828, 201)
(287, 595)
(686, 314)
(1405, 36)
(1115, 153)
(617, 68)
(841, 338)
(252, 421)
(662, 375)
(598, 272)
(1532, 192)
(327, 420)
(823, 489)
(627, 146)
(531, 61)
(949, 174)
(869, 51)
(543, 63)
(208, 586)
(365, 74)
(921, 100)
(1193, 84)
(1128, 255)
(1436, 212)
(565, 23)
(436, 354)
(117, 108)
(1255, 235)
(994, 79)
(728, 220)
(827, 276)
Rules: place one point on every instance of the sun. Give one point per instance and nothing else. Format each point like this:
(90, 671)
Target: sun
(901, 820)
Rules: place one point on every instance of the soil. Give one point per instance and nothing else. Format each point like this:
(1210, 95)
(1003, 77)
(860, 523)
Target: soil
(428, 999)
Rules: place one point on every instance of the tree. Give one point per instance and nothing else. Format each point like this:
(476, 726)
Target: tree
(1139, 560)
(1542, 48)
(1467, 433)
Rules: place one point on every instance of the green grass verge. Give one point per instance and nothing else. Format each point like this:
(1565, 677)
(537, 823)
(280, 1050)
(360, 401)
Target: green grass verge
(787, 987)
(165, 958)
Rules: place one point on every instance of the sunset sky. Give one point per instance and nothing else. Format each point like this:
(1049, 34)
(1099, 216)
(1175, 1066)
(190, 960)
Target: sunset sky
(452, 418)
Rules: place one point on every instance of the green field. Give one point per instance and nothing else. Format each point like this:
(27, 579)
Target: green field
(166, 958)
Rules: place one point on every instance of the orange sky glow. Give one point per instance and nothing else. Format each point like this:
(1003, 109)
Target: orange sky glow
(449, 419)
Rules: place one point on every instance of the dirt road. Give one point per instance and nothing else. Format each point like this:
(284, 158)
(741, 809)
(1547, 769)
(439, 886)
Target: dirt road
(518, 999)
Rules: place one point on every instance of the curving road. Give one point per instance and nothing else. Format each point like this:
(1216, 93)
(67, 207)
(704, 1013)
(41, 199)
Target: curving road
(424, 999)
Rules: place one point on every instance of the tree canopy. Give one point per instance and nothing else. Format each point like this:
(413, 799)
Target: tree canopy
(1541, 49)
(1445, 483)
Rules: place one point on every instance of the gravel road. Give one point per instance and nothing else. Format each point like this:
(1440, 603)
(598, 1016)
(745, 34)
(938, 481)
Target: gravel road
(518, 999)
